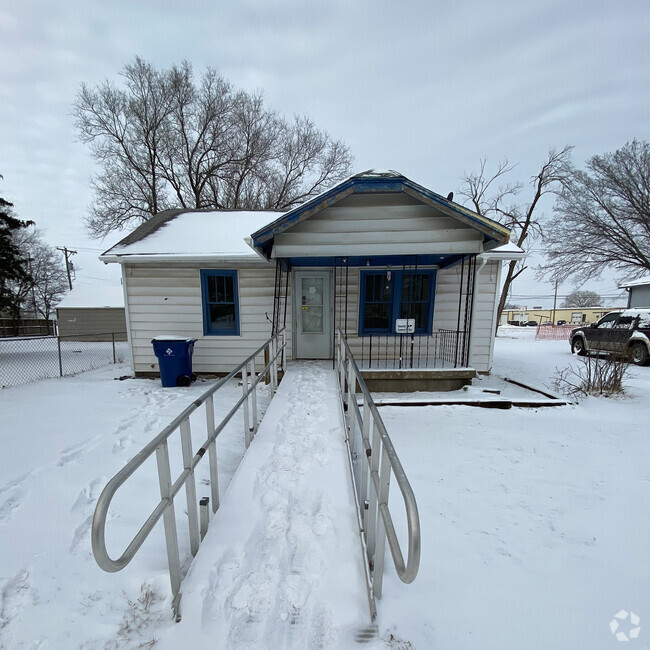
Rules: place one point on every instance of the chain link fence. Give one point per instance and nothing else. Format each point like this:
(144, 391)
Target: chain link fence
(23, 360)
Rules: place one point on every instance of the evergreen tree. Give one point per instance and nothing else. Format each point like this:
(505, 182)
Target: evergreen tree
(13, 267)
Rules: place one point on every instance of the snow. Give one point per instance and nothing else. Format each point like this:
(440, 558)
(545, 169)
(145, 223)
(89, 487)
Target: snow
(636, 283)
(221, 234)
(534, 526)
(93, 296)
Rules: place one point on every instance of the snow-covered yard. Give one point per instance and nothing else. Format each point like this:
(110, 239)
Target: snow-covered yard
(534, 521)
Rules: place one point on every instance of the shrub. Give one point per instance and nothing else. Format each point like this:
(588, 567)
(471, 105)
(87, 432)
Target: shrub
(594, 376)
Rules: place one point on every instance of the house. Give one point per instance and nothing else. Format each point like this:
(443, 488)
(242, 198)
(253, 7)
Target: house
(638, 292)
(409, 277)
(93, 312)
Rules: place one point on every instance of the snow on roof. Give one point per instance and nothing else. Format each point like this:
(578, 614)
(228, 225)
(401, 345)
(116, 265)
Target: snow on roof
(93, 296)
(636, 283)
(507, 251)
(215, 234)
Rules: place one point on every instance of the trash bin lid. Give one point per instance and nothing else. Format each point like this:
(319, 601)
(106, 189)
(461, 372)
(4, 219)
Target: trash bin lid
(171, 337)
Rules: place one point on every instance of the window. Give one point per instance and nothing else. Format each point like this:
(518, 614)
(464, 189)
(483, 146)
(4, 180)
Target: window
(389, 295)
(220, 302)
(609, 321)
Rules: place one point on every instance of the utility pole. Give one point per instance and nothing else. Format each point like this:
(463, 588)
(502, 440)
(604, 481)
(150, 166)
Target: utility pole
(29, 261)
(67, 252)
(554, 303)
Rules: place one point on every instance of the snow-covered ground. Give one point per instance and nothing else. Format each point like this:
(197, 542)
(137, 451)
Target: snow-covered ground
(23, 360)
(534, 521)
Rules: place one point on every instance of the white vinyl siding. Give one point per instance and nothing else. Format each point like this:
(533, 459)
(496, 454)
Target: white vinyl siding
(166, 300)
(448, 302)
(378, 225)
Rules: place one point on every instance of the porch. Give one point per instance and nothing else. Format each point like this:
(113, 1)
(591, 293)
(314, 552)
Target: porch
(408, 324)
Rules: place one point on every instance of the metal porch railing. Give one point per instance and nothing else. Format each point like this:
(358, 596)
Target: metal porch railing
(373, 460)
(440, 349)
(274, 351)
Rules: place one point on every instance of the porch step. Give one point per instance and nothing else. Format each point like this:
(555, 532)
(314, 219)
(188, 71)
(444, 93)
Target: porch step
(411, 380)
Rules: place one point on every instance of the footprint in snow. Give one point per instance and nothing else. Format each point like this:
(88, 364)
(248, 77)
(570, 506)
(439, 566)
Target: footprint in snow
(12, 495)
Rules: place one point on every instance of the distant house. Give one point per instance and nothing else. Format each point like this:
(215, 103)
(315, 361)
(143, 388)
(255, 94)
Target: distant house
(638, 292)
(93, 312)
(409, 277)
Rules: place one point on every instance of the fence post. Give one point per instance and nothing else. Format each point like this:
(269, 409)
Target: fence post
(113, 341)
(58, 344)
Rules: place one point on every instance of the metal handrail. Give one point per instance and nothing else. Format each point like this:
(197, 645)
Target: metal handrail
(275, 347)
(381, 459)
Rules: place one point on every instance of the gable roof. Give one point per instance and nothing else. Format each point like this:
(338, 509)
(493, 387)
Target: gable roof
(373, 182)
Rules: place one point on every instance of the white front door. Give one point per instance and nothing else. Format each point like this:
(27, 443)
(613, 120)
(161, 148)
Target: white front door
(313, 314)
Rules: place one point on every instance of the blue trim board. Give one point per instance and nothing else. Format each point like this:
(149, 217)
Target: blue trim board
(443, 261)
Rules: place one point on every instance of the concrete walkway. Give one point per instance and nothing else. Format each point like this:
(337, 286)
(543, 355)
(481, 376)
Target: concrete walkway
(281, 565)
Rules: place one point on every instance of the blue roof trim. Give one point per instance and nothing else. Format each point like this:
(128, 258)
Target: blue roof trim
(263, 238)
(442, 261)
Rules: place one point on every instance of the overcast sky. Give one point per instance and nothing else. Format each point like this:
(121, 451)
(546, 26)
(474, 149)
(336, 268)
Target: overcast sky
(419, 87)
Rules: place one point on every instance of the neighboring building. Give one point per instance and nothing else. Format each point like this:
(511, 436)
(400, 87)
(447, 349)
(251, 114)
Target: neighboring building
(373, 256)
(638, 292)
(570, 315)
(93, 312)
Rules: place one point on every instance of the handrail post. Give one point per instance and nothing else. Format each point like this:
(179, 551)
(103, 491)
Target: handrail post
(365, 460)
(352, 385)
(380, 544)
(253, 398)
(169, 519)
(247, 429)
(212, 453)
(190, 487)
(373, 501)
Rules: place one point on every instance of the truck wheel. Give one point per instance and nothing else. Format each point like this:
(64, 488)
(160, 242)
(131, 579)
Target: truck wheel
(578, 346)
(639, 354)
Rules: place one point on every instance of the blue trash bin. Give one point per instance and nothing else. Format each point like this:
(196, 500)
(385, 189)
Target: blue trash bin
(174, 359)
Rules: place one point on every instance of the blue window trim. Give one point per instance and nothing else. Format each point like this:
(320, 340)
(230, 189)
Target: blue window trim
(208, 329)
(396, 300)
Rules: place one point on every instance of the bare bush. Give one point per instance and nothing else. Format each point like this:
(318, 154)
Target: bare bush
(594, 376)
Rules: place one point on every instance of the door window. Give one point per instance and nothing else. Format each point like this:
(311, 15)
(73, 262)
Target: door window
(312, 305)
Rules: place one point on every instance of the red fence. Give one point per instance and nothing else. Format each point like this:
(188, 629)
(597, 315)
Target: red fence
(554, 332)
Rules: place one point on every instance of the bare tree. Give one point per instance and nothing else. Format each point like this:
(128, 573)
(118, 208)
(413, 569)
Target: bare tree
(495, 197)
(163, 140)
(47, 280)
(582, 299)
(602, 218)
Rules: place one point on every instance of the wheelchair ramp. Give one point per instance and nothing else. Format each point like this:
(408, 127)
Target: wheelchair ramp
(281, 564)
